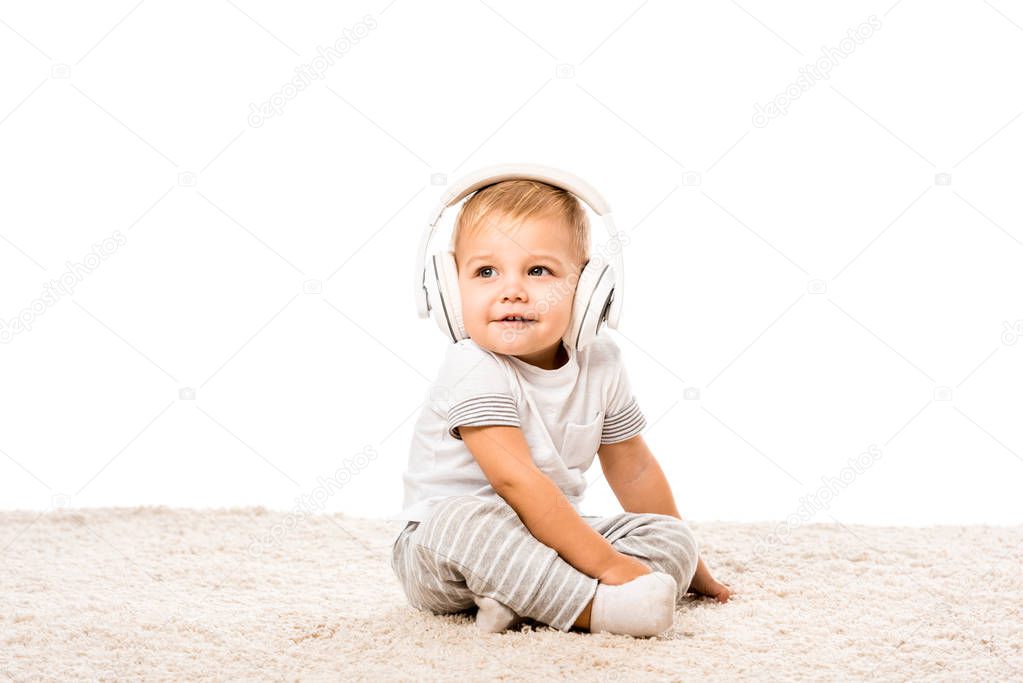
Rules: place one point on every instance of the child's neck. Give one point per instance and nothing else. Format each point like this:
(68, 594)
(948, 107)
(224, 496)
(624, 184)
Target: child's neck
(548, 359)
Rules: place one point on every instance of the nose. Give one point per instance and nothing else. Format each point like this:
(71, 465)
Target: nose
(513, 289)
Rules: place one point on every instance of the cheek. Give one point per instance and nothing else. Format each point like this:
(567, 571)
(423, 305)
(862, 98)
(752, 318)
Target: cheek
(559, 304)
(472, 303)
(550, 306)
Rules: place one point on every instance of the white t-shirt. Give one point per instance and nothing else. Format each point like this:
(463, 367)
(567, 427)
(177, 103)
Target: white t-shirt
(564, 413)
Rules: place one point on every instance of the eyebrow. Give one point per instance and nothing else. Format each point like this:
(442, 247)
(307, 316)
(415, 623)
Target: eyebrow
(488, 256)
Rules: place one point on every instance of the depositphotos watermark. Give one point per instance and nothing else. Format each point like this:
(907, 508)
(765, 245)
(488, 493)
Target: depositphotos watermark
(314, 501)
(62, 286)
(811, 73)
(307, 73)
(1011, 332)
(811, 504)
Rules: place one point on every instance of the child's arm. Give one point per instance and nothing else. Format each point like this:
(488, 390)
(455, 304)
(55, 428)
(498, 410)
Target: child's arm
(638, 482)
(636, 478)
(503, 455)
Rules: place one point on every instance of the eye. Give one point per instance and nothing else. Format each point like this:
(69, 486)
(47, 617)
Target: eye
(541, 268)
(480, 271)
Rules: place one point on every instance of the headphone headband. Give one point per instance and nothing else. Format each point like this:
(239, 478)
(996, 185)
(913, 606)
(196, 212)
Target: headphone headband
(501, 172)
(489, 175)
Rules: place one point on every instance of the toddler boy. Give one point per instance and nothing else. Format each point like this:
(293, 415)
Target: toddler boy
(512, 423)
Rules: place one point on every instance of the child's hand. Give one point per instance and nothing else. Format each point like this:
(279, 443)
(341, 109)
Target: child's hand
(623, 569)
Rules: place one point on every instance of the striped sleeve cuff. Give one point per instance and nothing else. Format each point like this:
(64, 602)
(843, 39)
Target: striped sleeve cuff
(623, 425)
(485, 409)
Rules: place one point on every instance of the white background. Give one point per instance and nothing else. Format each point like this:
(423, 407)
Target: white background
(812, 279)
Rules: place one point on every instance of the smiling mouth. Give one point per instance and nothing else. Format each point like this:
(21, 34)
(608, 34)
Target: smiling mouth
(514, 320)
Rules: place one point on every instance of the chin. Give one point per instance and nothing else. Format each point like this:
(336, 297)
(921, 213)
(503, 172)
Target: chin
(506, 344)
(522, 346)
(519, 342)
(530, 341)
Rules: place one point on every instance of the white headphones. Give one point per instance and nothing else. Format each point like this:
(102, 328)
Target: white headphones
(601, 285)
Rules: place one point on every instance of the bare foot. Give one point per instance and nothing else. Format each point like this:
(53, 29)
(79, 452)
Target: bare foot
(705, 584)
(711, 588)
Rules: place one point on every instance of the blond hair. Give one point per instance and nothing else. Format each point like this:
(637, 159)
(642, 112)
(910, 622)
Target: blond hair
(522, 199)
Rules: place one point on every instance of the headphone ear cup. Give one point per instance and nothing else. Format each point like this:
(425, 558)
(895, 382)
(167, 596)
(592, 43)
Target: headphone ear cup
(589, 307)
(449, 314)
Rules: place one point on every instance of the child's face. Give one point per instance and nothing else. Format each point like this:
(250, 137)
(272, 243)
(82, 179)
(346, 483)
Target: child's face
(526, 270)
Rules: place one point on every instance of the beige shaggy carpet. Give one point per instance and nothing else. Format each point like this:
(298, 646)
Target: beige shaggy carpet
(251, 594)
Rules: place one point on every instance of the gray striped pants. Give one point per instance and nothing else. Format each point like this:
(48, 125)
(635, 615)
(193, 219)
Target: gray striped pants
(471, 545)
